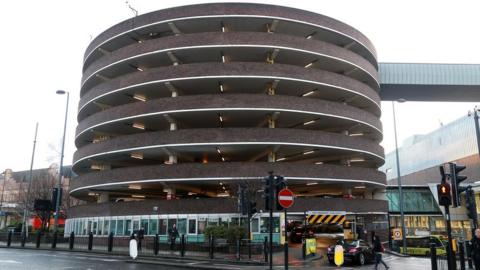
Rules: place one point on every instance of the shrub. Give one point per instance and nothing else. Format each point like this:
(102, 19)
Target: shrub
(231, 234)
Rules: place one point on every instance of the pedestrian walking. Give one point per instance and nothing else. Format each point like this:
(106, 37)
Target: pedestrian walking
(140, 235)
(173, 234)
(475, 250)
(378, 249)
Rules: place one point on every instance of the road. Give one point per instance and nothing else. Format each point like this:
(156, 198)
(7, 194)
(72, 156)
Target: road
(25, 259)
(398, 263)
(18, 259)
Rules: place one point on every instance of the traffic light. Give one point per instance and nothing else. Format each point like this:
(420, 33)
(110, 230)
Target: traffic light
(470, 204)
(268, 188)
(444, 195)
(279, 185)
(456, 179)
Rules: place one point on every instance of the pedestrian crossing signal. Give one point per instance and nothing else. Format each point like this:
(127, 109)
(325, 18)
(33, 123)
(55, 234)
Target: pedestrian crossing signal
(444, 194)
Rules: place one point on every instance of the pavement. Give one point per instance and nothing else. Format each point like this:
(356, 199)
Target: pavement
(28, 259)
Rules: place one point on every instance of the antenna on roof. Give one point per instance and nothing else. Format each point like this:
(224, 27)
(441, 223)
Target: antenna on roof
(135, 12)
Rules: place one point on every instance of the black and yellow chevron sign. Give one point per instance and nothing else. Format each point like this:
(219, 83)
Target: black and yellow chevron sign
(326, 219)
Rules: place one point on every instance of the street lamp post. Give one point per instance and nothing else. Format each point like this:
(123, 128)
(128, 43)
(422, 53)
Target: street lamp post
(27, 196)
(3, 190)
(60, 173)
(399, 181)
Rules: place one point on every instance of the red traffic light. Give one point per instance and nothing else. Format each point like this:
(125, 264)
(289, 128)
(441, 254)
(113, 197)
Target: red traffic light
(444, 195)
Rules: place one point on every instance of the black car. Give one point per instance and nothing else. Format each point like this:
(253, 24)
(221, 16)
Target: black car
(298, 232)
(357, 251)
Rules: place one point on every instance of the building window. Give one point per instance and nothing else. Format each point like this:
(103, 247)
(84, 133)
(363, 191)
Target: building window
(182, 226)
(136, 226)
(128, 227)
(153, 226)
(234, 221)
(162, 226)
(144, 225)
(89, 226)
(192, 226)
(202, 223)
(254, 225)
(264, 225)
(100, 227)
(119, 227)
(106, 225)
(113, 223)
(171, 221)
(212, 221)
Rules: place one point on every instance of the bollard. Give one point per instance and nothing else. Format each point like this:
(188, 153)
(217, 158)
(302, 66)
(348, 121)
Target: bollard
(249, 243)
(461, 252)
(433, 252)
(23, 239)
(182, 246)
(238, 249)
(155, 244)
(71, 240)
(212, 243)
(469, 254)
(37, 240)
(454, 260)
(265, 249)
(110, 242)
(9, 239)
(54, 241)
(304, 248)
(90, 240)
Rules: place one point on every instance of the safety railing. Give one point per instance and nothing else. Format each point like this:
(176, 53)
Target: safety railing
(211, 248)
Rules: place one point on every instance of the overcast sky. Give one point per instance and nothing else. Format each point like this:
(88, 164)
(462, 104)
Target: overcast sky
(43, 43)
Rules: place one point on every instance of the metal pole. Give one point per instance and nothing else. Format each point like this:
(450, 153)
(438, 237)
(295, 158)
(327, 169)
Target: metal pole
(25, 210)
(477, 129)
(271, 195)
(286, 240)
(450, 254)
(59, 183)
(3, 190)
(249, 229)
(400, 193)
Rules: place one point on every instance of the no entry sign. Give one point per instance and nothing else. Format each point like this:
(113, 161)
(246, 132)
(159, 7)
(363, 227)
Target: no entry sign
(285, 198)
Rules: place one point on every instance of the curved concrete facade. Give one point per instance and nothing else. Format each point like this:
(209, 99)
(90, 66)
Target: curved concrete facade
(190, 102)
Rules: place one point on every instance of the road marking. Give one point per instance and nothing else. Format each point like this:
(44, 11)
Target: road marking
(227, 265)
(9, 261)
(106, 260)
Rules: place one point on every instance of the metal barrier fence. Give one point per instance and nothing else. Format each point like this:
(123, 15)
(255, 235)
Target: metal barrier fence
(240, 249)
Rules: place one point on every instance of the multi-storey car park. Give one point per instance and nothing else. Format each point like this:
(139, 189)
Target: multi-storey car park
(179, 106)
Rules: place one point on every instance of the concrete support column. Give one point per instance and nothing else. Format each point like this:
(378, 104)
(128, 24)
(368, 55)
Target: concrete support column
(271, 121)
(172, 159)
(271, 91)
(271, 156)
